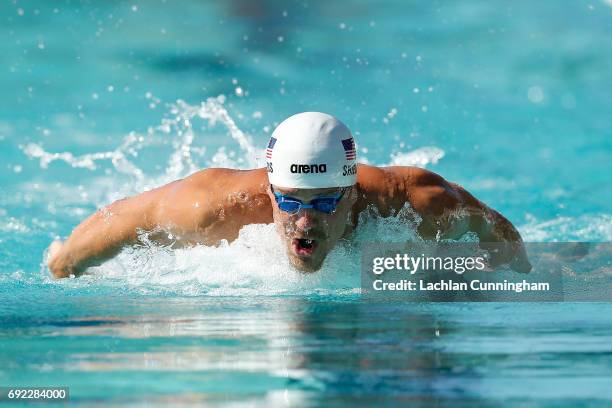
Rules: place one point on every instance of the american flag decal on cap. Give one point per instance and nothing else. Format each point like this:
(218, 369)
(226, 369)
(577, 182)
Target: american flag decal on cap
(270, 147)
(349, 149)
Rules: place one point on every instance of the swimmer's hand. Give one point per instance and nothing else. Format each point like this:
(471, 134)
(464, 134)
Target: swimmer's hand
(54, 249)
(54, 260)
(520, 262)
(510, 253)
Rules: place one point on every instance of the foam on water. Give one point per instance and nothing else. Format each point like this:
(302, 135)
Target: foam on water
(253, 264)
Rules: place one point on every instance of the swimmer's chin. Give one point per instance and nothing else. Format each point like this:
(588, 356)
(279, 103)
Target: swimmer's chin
(306, 265)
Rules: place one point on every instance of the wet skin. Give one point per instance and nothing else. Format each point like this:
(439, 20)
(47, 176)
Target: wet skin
(214, 204)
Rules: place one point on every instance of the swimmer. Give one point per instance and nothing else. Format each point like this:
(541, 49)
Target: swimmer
(312, 189)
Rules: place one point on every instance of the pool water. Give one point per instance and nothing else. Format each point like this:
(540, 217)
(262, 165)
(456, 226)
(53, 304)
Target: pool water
(106, 99)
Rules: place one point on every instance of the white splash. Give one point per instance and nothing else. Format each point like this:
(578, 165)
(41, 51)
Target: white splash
(419, 157)
(179, 125)
(586, 228)
(255, 264)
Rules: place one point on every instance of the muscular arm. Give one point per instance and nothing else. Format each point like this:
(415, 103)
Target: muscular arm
(197, 209)
(449, 211)
(104, 233)
(111, 228)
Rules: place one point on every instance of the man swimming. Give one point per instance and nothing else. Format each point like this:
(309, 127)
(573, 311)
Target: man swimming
(312, 189)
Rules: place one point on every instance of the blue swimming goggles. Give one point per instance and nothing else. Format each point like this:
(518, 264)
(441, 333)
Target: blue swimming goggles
(326, 204)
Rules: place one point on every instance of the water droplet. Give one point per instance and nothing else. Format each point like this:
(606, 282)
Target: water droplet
(535, 94)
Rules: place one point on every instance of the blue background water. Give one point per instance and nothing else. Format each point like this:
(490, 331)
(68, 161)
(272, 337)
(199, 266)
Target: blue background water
(511, 100)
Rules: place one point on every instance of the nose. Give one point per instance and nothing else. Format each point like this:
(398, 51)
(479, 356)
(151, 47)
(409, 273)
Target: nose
(306, 219)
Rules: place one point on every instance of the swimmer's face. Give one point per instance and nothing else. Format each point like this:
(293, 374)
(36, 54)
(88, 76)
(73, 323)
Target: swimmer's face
(309, 235)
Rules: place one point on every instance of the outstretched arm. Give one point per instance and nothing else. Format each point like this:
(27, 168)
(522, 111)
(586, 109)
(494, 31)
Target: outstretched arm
(197, 209)
(449, 211)
(103, 234)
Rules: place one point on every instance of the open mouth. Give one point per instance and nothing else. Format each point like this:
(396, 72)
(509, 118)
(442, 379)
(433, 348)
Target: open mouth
(302, 246)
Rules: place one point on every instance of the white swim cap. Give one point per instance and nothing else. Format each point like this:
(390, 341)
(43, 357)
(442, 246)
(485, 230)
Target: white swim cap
(311, 150)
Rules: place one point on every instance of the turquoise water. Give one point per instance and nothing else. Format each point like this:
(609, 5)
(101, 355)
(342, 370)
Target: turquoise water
(511, 100)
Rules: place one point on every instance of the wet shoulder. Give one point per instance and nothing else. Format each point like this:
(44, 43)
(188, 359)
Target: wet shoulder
(390, 180)
(390, 188)
(202, 195)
